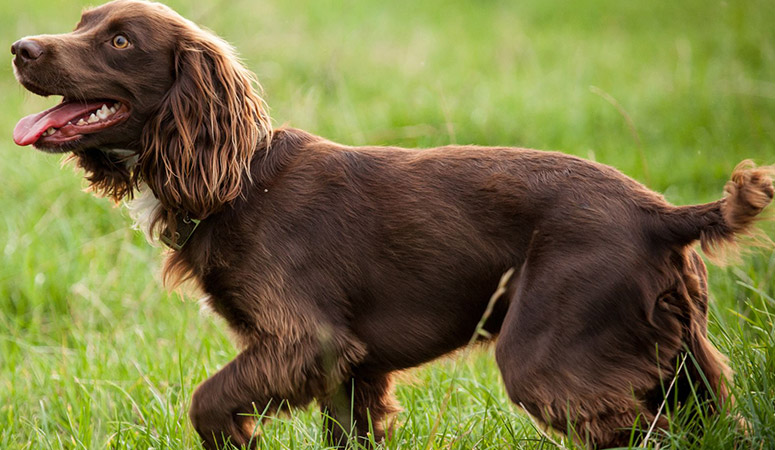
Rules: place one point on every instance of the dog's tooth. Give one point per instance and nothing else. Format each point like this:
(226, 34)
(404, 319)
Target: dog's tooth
(93, 118)
(112, 109)
(49, 132)
(81, 122)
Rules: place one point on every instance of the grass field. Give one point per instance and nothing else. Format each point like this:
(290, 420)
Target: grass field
(94, 354)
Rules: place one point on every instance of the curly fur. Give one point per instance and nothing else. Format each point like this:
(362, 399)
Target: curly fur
(335, 266)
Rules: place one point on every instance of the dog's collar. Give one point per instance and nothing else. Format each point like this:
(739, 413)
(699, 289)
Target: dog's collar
(184, 228)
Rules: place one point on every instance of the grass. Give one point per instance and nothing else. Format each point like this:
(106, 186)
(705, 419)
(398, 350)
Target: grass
(94, 354)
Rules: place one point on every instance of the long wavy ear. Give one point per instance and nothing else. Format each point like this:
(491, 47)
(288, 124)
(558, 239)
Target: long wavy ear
(197, 148)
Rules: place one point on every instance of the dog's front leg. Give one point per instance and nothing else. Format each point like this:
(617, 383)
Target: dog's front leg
(359, 410)
(224, 407)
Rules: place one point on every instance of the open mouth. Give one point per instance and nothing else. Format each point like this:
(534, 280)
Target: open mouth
(69, 121)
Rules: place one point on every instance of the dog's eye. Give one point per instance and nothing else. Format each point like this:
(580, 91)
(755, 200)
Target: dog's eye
(119, 41)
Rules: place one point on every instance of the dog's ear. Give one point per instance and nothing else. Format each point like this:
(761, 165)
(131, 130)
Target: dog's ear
(197, 148)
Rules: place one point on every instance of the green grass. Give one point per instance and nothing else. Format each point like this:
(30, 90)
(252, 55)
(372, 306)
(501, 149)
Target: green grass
(94, 354)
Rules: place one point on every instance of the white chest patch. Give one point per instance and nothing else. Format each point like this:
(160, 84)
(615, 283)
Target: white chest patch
(205, 306)
(143, 208)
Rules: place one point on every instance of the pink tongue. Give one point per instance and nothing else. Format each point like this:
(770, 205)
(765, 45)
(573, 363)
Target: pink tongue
(30, 128)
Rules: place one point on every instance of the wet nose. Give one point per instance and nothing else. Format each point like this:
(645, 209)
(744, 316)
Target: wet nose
(26, 50)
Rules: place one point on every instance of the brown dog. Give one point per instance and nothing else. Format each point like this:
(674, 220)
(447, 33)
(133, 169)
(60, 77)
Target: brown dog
(336, 265)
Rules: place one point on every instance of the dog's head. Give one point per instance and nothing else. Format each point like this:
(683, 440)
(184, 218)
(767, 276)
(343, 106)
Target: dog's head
(136, 76)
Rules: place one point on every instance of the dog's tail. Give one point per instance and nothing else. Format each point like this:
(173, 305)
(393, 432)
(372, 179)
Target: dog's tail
(719, 225)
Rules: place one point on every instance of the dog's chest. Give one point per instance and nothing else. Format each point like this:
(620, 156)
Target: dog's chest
(143, 209)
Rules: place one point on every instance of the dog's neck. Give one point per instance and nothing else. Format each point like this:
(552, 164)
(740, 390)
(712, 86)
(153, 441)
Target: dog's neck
(145, 210)
(148, 213)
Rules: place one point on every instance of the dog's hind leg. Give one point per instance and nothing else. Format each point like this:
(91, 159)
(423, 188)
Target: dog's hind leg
(578, 348)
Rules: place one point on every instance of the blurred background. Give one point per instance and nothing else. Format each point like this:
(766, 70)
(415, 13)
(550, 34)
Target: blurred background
(93, 353)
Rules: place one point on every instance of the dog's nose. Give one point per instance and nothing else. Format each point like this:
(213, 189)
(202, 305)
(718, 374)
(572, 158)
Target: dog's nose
(26, 50)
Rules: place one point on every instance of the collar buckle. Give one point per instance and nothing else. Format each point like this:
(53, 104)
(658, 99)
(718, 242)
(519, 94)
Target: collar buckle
(184, 229)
